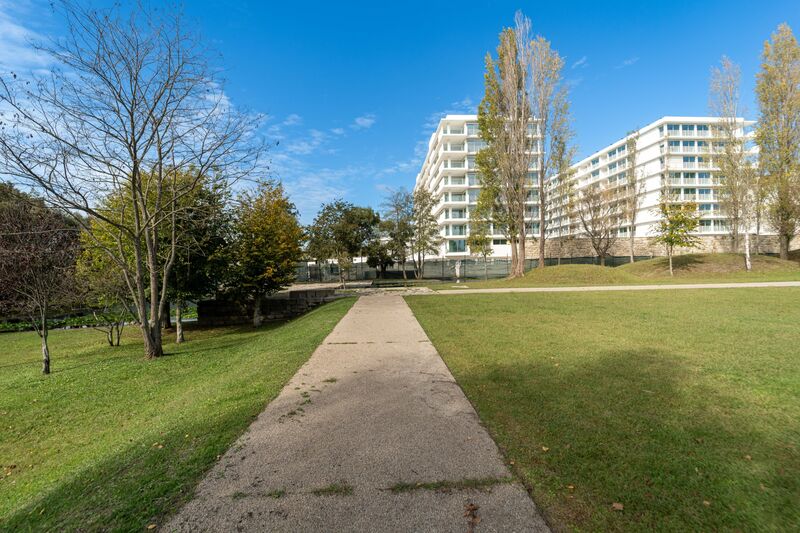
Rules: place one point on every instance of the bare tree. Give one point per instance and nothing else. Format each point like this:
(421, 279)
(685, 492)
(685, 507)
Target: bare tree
(546, 92)
(598, 212)
(737, 194)
(38, 249)
(131, 106)
(634, 187)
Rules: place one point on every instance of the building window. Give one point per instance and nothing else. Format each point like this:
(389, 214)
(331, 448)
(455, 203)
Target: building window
(457, 245)
(458, 197)
(459, 230)
(458, 213)
(498, 242)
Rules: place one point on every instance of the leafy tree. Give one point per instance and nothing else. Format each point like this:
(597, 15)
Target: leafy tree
(104, 288)
(379, 256)
(504, 116)
(425, 238)
(199, 258)
(38, 247)
(677, 222)
(396, 224)
(778, 132)
(341, 231)
(266, 246)
(480, 238)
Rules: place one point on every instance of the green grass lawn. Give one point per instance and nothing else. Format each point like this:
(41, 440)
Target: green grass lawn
(683, 407)
(111, 441)
(692, 268)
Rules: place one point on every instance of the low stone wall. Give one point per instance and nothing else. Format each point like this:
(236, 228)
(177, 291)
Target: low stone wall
(280, 306)
(647, 247)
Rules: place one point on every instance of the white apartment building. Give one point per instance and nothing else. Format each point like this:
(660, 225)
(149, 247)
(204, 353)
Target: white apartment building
(674, 152)
(450, 173)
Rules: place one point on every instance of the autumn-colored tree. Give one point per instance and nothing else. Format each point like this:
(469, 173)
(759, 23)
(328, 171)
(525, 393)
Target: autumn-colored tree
(633, 189)
(778, 132)
(38, 247)
(266, 245)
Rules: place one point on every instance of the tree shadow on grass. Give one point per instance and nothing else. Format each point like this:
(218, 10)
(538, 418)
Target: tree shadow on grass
(645, 429)
(141, 484)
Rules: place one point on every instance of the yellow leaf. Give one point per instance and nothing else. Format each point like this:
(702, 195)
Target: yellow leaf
(616, 506)
(545, 449)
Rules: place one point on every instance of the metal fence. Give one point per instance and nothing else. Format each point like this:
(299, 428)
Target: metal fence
(444, 269)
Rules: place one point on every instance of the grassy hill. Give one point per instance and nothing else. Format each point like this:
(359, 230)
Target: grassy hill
(692, 268)
(711, 266)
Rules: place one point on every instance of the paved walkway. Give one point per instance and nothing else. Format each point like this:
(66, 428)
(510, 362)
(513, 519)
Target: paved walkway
(374, 409)
(747, 285)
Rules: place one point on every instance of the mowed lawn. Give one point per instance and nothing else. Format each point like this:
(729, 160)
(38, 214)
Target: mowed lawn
(111, 441)
(683, 407)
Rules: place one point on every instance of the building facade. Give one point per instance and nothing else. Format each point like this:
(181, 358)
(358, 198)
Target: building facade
(673, 154)
(449, 172)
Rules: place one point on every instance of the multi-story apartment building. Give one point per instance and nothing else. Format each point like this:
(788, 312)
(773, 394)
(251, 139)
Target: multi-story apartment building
(674, 154)
(450, 173)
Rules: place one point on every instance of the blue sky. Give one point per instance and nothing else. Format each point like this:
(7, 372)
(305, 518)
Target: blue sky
(353, 90)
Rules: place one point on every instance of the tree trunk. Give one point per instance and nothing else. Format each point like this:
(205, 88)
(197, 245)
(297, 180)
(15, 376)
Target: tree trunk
(784, 245)
(405, 277)
(485, 269)
(179, 321)
(632, 245)
(519, 271)
(257, 318)
(758, 232)
(166, 319)
(747, 264)
(602, 260)
(542, 206)
(45, 349)
(152, 342)
(669, 253)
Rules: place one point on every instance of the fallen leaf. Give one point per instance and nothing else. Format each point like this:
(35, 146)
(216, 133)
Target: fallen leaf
(748, 457)
(706, 503)
(545, 448)
(151, 526)
(616, 506)
(571, 487)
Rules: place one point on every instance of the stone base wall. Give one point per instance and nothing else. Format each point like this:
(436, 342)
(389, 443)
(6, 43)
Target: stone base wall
(280, 306)
(647, 247)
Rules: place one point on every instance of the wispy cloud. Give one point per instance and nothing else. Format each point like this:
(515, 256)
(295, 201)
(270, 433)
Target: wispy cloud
(364, 121)
(583, 62)
(628, 62)
(16, 51)
(338, 131)
(465, 106)
(293, 120)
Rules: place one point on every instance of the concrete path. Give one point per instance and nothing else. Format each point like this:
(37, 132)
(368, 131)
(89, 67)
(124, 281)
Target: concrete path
(374, 409)
(676, 286)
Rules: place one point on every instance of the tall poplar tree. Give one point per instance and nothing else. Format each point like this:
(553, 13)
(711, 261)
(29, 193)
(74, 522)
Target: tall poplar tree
(778, 132)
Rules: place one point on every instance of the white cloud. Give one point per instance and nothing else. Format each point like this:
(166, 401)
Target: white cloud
(465, 106)
(293, 120)
(628, 62)
(582, 63)
(364, 121)
(16, 50)
(338, 131)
